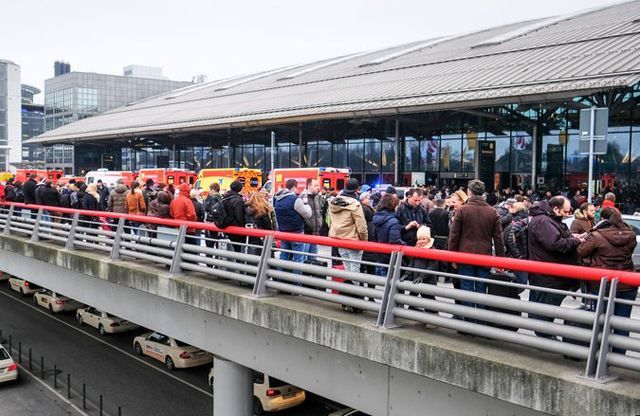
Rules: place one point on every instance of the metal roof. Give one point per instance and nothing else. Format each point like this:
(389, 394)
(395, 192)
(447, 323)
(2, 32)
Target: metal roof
(552, 59)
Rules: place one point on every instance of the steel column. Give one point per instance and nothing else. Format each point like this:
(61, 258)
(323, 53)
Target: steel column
(232, 388)
(72, 232)
(389, 318)
(36, 226)
(260, 288)
(177, 253)
(387, 288)
(597, 327)
(602, 368)
(7, 224)
(117, 240)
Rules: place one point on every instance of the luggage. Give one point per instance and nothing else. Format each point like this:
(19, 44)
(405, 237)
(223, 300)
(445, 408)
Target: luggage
(504, 291)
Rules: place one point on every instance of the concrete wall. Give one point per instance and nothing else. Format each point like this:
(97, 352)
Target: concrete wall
(405, 371)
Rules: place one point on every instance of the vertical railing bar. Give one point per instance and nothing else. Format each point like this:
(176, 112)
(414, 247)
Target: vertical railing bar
(35, 235)
(389, 318)
(177, 253)
(72, 231)
(597, 327)
(7, 224)
(387, 289)
(602, 368)
(117, 240)
(260, 287)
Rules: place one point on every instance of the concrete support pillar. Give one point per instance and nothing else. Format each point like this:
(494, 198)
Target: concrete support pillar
(232, 388)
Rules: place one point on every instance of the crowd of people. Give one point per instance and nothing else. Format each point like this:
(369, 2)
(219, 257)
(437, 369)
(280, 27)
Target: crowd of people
(514, 223)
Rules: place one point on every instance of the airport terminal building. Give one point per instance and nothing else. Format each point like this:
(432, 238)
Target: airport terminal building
(501, 103)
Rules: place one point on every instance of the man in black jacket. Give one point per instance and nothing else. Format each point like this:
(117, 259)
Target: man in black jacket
(412, 216)
(234, 207)
(103, 191)
(550, 240)
(29, 190)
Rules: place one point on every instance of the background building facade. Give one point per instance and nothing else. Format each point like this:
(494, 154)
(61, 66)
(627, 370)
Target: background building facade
(32, 126)
(74, 96)
(10, 114)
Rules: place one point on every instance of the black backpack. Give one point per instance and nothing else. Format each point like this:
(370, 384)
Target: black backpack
(218, 215)
(19, 195)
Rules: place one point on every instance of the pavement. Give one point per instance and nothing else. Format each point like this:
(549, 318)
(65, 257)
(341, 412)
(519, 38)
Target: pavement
(139, 385)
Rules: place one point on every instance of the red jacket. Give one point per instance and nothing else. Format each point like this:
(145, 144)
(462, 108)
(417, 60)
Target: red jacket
(608, 203)
(182, 209)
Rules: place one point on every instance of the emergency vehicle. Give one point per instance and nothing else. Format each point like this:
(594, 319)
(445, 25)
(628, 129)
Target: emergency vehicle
(168, 176)
(251, 178)
(51, 175)
(335, 178)
(110, 177)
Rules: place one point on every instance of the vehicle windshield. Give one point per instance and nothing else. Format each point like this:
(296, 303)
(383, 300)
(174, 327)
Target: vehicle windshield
(181, 344)
(3, 354)
(274, 382)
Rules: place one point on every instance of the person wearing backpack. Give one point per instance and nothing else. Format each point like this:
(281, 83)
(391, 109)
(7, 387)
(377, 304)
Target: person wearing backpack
(10, 191)
(212, 199)
(232, 213)
(291, 213)
(515, 239)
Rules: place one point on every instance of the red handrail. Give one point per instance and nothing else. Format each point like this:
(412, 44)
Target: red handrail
(550, 269)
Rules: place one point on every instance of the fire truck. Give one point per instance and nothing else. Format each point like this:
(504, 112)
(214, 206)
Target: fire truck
(335, 178)
(168, 176)
(251, 178)
(51, 175)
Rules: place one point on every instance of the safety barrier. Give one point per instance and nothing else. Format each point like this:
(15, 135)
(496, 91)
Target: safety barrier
(398, 291)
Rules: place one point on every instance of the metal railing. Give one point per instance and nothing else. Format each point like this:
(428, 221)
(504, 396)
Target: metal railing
(395, 291)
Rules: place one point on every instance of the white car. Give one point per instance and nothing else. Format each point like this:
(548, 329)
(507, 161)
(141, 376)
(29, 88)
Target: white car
(23, 287)
(271, 394)
(55, 302)
(8, 368)
(173, 353)
(4, 276)
(101, 320)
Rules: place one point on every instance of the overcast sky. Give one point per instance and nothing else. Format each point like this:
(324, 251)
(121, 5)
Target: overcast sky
(224, 38)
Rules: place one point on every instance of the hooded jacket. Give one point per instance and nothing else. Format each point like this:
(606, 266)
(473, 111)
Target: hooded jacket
(386, 228)
(135, 203)
(551, 241)
(347, 218)
(608, 247)
(117, 199)
(313, 224)
(29, 190)
(159, 207)
(580, 223)
(182, 209)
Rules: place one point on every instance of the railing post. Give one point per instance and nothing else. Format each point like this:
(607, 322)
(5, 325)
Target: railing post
(115, 250)
(177, 253)
(36, 227)
(601, 370)
(393, 276)
(72, 232)
(597, 327)
(387, 289)
(260, 287)
(7, 224)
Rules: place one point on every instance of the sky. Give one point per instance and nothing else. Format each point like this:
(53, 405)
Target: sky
(222, 38)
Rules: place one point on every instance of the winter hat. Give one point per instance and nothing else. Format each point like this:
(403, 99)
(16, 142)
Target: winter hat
(352, 185)
(424, 233)
(236, 186)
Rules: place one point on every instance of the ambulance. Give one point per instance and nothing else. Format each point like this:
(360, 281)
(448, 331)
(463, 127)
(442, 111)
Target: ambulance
(335, 178)
(168, 176)
(251, 178)
(110, 177)
(51, 175)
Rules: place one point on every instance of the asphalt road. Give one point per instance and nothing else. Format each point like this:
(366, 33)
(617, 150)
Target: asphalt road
(108, 366)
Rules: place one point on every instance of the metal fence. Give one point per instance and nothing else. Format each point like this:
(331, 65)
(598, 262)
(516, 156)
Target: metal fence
(399, 291)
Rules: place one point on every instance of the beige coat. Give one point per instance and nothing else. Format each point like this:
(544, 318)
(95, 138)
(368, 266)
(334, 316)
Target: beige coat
(346, 219)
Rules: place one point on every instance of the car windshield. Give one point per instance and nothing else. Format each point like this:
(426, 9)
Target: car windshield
(181, 344)
(3, 354)
(635, 225)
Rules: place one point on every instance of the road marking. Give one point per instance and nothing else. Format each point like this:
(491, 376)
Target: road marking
(54, 391)
(135, 357)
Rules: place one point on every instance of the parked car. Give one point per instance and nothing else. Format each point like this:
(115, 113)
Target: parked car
(271, 394)
(8, 368)
(23, 287)
(170, 351)
(634, 222)
(55, 302)
(4, 276)
(103, 322)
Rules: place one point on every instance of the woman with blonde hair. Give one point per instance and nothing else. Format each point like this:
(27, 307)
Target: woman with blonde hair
(258, 213)
(90, 202)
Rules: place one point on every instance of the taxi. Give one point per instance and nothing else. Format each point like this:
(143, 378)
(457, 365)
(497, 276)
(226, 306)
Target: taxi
(55, 302)
(173, 353)
(8, 368)
(23, 287)
(271, 394)
(103, 322)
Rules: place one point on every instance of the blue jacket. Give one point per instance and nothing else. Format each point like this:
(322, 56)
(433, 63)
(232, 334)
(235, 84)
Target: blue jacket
(387, 228)
(288, 218)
